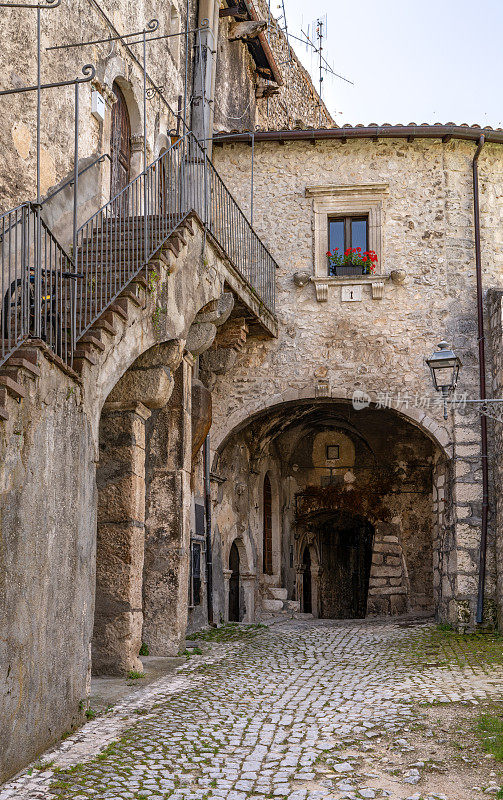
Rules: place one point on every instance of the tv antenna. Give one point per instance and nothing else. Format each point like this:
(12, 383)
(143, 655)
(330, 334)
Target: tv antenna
(318, 31)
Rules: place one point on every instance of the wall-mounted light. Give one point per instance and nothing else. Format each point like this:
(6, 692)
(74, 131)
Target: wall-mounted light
(444, 367)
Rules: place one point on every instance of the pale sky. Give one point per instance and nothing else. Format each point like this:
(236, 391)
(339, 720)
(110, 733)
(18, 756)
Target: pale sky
(425, 61)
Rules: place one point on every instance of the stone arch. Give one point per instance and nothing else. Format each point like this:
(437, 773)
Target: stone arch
(115, 72)
(247, 412)
(245, 581)
(404, 444)
(143, 526)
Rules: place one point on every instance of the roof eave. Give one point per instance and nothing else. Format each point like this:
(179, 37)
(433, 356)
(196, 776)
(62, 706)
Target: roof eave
(444, 132)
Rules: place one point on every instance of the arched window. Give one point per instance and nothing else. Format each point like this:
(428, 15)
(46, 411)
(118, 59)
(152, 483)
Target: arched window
(267, 527)
(120, 143)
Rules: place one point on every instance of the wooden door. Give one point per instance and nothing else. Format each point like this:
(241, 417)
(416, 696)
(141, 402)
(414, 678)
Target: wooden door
(120, 144)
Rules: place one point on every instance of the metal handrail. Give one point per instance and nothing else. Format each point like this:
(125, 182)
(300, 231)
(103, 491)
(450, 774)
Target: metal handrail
(122, 236)
(47, 295)
(37, 283)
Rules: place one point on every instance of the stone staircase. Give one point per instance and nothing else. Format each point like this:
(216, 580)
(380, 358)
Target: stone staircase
(22, 366)
(276, 605)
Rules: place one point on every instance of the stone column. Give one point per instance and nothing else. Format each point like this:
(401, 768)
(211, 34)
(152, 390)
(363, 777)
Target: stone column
(388, 584)
(167, 534)
(249, 581)
(120, 541)
(227, 577)
(316, 573)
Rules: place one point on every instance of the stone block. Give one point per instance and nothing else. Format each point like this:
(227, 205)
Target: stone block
(272, 605)
(468, 492)
(387, 547)
(383, 571)
(122, 500)
(151, 387)
(278, 593)
(200, 337)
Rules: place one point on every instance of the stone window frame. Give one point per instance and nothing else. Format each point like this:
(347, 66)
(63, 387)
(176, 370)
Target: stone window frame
(346, 200)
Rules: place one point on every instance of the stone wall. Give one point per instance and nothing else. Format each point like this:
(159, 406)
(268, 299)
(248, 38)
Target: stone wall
(47, 553)
(423, 190)
(85, 20)
(496, 345)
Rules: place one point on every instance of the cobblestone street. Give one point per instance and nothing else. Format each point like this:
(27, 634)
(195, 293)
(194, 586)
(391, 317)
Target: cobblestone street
(305, 710)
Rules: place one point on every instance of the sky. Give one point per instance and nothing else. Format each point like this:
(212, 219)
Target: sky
(425, 61)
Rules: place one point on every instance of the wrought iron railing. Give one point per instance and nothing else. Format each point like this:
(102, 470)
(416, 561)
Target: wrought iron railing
(126, 233)
(37, 282)
(47, 295)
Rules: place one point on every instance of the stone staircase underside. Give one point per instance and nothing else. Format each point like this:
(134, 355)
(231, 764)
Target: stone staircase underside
(22, 365)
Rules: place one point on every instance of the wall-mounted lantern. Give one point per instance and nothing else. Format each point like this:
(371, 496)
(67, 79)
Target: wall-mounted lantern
(444, 366)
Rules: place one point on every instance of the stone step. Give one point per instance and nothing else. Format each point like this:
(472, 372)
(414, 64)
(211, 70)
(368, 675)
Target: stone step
(272, 605)
(277, 592)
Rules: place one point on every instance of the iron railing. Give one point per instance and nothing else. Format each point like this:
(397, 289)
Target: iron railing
(46, 295)
(125, 234)
(37, 283)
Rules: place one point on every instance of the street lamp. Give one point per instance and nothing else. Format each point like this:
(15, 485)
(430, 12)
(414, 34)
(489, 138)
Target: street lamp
(444, 366)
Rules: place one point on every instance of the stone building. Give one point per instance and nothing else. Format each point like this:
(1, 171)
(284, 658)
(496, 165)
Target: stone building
(198, 422)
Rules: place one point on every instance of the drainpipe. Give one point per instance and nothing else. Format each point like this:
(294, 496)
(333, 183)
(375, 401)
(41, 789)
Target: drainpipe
(204, 73)
(482, 384)
(207, 503)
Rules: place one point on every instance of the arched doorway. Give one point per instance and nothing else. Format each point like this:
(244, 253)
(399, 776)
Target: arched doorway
(120, 143)
(345, 542)
(307, 593)
(267, 528)
(234, 584)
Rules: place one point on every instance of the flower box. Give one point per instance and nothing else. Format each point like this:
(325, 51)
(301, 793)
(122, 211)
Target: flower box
(352, 262)
(346, 269)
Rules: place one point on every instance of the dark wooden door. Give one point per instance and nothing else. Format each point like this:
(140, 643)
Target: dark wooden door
(307, 595)
(120, 144)
(234, 584)
(267, 522)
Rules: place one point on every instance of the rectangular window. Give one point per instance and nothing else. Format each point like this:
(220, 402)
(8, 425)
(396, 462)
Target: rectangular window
(332, 452)
(195, 575)
(344, 233)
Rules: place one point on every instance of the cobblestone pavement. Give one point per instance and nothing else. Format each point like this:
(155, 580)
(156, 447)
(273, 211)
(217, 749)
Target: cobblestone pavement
(292, 711)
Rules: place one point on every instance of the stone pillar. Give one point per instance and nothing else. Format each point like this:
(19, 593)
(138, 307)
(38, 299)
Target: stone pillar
(249, 581)
(316, 573)
(167, 533)
(388, 589)
(120, 540)
(227, 577)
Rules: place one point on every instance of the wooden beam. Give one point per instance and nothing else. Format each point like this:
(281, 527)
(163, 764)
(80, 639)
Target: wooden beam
(232, 11)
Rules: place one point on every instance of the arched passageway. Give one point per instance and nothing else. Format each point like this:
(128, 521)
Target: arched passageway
(361, 522)
(143, 533)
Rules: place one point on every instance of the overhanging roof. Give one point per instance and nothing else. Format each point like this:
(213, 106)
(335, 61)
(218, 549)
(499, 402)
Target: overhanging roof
(259, 48)
(445, 132)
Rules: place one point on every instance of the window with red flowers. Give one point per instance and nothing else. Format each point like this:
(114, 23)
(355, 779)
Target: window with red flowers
(346, 233)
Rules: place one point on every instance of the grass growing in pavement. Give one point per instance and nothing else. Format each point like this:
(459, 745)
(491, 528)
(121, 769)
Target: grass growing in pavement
(230, 632)
(442, 646)
(490, 731)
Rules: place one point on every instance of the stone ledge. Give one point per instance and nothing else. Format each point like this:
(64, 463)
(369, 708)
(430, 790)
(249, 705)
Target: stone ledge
(376, 282)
